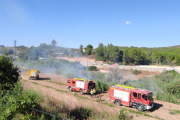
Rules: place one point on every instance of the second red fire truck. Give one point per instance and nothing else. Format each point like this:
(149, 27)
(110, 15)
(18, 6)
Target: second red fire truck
(133, 97)
(81, 85)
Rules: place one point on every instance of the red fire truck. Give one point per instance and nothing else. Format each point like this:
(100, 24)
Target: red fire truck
(133, 97)
(81, 85)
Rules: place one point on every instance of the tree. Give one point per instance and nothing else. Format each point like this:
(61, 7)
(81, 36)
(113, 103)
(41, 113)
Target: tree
(21, 48)
(81, 49)
(13, 100)
(2, 46)
(9, 73)
(112, 53)
(126, 56)
(65, 52)
(73, 52)
(135, 56)
(106, 55)
(89, 48)
(53, 43)
(6, 50)
(157, 57)
(23, 56)
(170, 57)
(50, 53)
(33, 53)
(177, 60)
(115, 54)
(99, 50)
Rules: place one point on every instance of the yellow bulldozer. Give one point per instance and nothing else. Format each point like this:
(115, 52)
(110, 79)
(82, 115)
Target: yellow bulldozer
(34, 74)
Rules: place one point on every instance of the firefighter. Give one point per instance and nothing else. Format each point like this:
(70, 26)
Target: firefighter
(92, 92)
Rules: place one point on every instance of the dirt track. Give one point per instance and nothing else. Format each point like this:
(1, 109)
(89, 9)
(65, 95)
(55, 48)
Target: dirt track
(60, 92)
(99, 64)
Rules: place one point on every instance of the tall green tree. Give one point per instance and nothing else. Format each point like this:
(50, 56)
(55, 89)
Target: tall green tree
(177, 60)
(99, 50)
(53, 42)
(89, 49)
(135, 56)
(81, 49)
(9, 73)
(115, 54)
(23, 56)
(33, 53)
(106, 53)
(112, 53)
(170, 58)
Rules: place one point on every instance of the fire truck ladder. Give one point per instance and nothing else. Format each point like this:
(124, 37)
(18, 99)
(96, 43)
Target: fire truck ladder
(80, 79)
(127, 87)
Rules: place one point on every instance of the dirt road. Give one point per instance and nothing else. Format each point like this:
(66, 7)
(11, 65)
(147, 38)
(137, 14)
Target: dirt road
(55, 86)
(99, 64)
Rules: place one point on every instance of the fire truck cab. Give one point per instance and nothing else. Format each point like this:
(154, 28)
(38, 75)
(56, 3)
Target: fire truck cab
(133, 97)
(81, 85)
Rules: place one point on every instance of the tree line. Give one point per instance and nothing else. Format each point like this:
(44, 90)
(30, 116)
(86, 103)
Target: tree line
(107, 53)
(134, 55)
(45, 51)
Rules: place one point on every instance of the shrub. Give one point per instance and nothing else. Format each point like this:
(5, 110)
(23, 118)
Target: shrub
(17, 101)
(109, 63)
(167, 97)
(120, 63)
(82, 113)
(136, 72)
(169, 83)
(9, 73)
(114, 75)
(174, 112)
(98, 100)
(92, 68)
(99, 58)
(124, 116)
(168, 74)
(101, 85)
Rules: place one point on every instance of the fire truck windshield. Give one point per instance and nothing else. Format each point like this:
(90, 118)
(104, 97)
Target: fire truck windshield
(150, 96)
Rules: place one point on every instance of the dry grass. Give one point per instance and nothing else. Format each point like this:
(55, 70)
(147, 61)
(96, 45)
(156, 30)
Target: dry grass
(59, 108)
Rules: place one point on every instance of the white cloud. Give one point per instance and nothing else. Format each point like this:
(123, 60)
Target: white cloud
(127, 22)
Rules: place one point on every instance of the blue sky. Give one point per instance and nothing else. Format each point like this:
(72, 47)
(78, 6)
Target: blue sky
(140, 23)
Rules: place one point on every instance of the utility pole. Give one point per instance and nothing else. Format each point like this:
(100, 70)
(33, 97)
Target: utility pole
(15, 49)
(87, 61)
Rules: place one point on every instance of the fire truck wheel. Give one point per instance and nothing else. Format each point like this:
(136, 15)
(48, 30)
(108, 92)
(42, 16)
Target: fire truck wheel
(118, 102)
(131, 104)
(140, 107)
(81, 92)
(70, 89)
